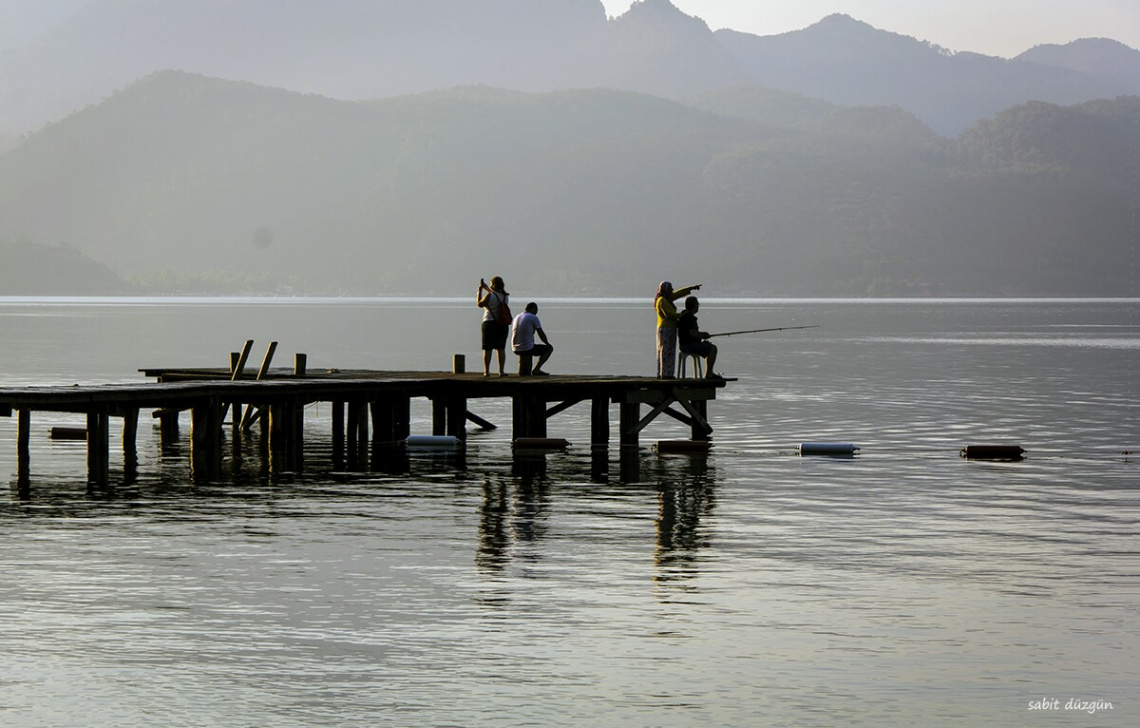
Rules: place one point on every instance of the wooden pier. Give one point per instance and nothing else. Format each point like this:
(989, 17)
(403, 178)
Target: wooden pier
(367, 407)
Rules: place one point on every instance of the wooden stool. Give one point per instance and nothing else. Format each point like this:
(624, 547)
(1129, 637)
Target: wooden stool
(526, 361)
(698, 365)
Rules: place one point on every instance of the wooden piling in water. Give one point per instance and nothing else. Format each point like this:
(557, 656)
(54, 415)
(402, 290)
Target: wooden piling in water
(23, 447)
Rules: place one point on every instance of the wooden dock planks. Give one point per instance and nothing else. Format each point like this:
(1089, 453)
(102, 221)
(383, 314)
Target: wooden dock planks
(381, 397)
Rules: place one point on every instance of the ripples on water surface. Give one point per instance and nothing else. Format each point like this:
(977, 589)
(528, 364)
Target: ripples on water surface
(906, 586)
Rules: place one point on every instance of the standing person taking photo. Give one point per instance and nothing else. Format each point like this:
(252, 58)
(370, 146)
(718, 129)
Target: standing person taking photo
(667, 317)
(493, 299)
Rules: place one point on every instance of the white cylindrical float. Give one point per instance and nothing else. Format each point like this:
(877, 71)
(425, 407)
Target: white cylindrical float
(828, 448)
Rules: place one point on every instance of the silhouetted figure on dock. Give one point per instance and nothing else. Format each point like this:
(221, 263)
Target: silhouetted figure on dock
(693, 340)
(493, 300)
(526, 325)
(667, 318)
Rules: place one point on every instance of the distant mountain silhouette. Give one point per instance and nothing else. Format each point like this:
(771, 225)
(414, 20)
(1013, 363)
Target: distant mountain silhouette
(655, 48)
(39, 270)
(191, 181)
(848, 62)
(365, 49)
(1097, 57)
(350, 49)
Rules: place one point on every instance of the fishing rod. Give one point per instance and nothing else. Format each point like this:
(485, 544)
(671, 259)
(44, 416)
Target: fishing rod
(761, 331)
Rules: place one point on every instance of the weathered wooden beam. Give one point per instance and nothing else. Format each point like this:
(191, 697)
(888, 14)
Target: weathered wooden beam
(654, 396)
(644, 422)
(247, 419)
(563, 406)
(701, 427)
(238, 368)
(679, 416)
(482, 423)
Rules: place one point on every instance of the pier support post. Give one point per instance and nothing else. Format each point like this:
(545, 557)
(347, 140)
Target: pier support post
(297, 439)
(130, 450)
(438, 416)
(457, 417)
(98, 447)
(528, 415)
(168, 426)
(352, 432)
(698, 428)
(205, 439)
(356, 427)
(600, 422)
(630, 417)
(338, 435)
(361, 454)
(23, 448)
(286, 449)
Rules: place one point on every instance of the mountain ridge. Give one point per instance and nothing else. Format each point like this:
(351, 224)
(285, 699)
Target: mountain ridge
(577, 190)
(353, 49)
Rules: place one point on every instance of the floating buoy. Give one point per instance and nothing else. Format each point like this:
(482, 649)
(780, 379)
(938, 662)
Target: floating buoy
(69, 433)
(992, 452)
(540, 443)
(827, 448)
(696, 447)
(433, 442)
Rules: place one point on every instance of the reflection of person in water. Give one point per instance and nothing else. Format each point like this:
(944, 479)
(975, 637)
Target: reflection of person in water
(505, 522)
(679, 529)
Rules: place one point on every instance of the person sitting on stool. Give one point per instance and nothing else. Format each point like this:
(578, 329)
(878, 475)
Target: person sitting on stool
(525, 326)
(694, 341)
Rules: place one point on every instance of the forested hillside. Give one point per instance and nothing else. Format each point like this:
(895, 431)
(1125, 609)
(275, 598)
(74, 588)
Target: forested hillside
(577, 191)
(42, 270)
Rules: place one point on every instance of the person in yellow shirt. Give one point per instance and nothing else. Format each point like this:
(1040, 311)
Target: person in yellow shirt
(667, 317)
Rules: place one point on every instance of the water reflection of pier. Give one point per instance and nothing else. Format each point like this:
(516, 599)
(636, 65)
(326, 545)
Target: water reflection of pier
(370, 412)
(515, 513)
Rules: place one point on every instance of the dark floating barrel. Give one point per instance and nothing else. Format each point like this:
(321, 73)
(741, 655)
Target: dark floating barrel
(992, 452)
(831, 449)
(433, 442)
(691, 447)
(540, 443)
(69, 433)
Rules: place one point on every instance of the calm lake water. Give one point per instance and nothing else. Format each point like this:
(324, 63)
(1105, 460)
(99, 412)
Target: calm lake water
(903, 587)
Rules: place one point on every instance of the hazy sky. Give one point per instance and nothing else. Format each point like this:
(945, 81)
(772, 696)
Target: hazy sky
(996, 27)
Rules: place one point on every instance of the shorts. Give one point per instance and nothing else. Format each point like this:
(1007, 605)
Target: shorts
(494, 336)
(539, 350)
(700, 348)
